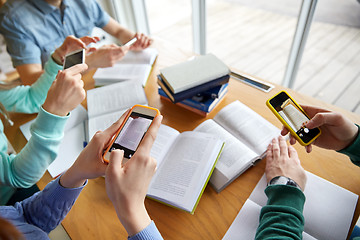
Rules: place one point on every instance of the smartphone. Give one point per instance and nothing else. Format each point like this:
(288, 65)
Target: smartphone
(292, 117)
(74, 58)
(131, 42)
(132, 131)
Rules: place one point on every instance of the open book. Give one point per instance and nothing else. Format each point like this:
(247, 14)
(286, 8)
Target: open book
(107, 104)
(328, 211)
(135, 66)
(246, 135)
(185, 162)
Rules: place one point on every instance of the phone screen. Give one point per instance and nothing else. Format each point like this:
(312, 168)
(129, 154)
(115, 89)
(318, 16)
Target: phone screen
(132, 133)
(293, 116)
(73, 59)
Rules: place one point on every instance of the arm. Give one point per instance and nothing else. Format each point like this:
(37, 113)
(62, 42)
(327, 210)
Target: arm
(353, 151)
(47, 208)
(282, 217)
(25, 169)
(127, 188)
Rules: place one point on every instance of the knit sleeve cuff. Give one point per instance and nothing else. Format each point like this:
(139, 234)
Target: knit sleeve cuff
(51, 67)
(150, 233)
(49, 125)
(353, 150)
(284, 195)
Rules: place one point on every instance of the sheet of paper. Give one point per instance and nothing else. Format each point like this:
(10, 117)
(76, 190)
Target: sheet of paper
(326, 203)
(70, 148)
(112, 98)
(246, 222)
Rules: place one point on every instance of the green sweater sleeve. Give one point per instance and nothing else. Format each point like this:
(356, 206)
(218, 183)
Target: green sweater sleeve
(353, 151)
(28, 99)
(282, 217)
(26, 168)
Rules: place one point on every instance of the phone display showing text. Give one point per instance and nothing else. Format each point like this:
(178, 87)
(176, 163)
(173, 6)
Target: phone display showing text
(132, 133)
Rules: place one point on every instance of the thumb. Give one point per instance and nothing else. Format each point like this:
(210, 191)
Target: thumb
(115, 161)
(323, 118)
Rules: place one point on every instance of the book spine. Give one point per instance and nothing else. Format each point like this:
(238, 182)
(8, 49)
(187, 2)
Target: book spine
(198, 89)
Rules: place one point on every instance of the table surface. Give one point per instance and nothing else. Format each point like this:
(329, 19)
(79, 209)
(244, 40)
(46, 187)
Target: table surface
(93, 216)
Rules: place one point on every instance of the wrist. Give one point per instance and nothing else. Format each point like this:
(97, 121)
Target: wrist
(282, 180)
(71, 179)
(133, 220)
(58, 57)
(54, 109)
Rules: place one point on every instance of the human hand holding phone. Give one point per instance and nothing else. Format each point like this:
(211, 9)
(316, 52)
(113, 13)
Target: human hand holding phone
(132, 131)
(66, 92)
(127, 183)
(338, 132)
(89, 163)
(293, 117)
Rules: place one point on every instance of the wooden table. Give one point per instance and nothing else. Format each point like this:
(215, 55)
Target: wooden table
(93, 216)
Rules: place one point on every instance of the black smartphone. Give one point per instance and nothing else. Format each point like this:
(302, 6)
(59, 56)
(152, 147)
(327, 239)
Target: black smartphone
(74, 58)
(293, 117)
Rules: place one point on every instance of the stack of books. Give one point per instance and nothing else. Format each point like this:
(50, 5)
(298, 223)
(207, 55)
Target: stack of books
(198, 85)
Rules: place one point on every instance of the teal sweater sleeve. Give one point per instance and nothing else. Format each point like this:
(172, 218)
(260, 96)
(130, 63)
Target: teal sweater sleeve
(282, 217)
(353, 151)
(28, 99)
(26, 168)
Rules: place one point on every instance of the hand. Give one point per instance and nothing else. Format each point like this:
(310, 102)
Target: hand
(127, 184)
(66, 92)
(71, 44)
(282, 160)
(89, 163)
(141, 43)
(337, 132)
(106, 56)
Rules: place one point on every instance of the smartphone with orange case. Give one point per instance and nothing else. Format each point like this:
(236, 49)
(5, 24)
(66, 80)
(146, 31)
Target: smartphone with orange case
(132, 131)
(293, 117)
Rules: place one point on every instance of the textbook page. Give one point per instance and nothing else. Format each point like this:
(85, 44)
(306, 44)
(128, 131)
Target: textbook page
(235, 158)
(164, 139)
(183, 173)
(247, 126)
(146, 56)
(107, 104)
(326, 203)
(112, 98)
(137, 73)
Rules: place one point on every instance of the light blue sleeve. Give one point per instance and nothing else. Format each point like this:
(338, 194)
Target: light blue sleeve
(26, 168)
(28, 99)
(149, 233)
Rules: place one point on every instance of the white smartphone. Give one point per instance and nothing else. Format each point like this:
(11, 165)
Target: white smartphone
(74, 58)
(131, 42)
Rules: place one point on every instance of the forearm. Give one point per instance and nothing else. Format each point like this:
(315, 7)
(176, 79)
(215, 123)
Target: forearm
(46, 209)
(282, 217)
(28, 99)
(26, 168)
(118, 31)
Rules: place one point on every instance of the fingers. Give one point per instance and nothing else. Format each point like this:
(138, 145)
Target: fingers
(87, 40)
(110, 131)
(283, 146)
(150, 136)
(284, 131)
(275, 148)
(115, 161)
(76, 69)
(323, 118)
(312, 111)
